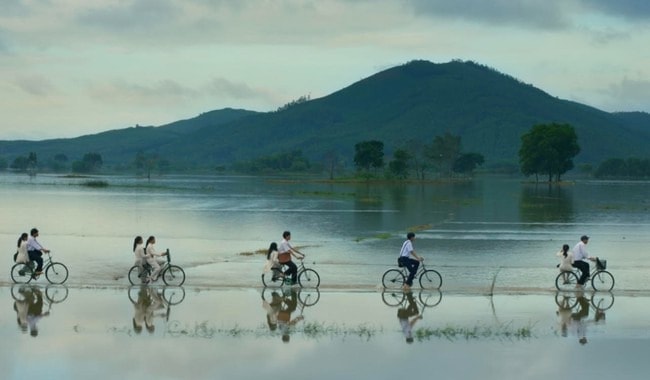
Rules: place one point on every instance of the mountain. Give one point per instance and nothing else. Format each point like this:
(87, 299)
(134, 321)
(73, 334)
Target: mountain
(412, 102)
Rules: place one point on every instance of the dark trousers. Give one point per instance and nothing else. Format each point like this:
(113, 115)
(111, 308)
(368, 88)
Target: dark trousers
(38, 257)
(412, 265)
(584, 270)
(292, 269)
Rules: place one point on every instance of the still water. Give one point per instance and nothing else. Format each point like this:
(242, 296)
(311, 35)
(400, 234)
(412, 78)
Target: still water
(180, 333)
(474, 233)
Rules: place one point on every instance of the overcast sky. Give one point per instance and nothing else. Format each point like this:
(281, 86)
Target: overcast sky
(77, 67)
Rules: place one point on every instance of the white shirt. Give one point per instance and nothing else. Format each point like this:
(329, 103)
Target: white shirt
(580, 251)
(33, 245)
(284, 246)
(407, 248)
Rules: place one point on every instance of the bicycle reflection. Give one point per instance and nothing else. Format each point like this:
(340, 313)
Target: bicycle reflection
(574, 310)
(150, 303)
(29, 301)
(280, 305)
(410, 309)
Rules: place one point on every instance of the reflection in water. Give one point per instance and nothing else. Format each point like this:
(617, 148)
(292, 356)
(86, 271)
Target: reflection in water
(574, 310)
(280, 305)
(28, 304)
(151, 302)
(411, 310)
(546, 203)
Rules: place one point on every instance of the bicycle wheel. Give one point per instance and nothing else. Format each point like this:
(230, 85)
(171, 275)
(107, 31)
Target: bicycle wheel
(602, 300)
(566, 281)
(273, 279)
(430, 279)
(21, 273)
(566, 300)
(174, 295)
(309, 297)
(430, 299)
(18, 292)
(56, 294)
(392, 298)
(56, 273)
(393, 279)
(602, 281)
(309, 278)
(136, 277)
(173, 275)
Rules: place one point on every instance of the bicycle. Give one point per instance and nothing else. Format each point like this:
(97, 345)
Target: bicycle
(55, 272)
(601, 280)
(53, 294)
(171, 274)
(396, 278)
(600, 301)
(307, 277)
(425, 298)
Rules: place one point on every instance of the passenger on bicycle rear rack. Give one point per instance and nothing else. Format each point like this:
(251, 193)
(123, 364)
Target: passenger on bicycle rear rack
(405, 260)
(272, 263)
(138, 252)
(285, 251)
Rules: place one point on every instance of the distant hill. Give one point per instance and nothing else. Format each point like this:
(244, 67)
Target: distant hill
(415, 101)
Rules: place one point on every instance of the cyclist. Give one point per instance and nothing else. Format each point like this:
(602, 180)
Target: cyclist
(285, 251)
(151, 254)
(36, 251)
(579, 255)
(405, 260)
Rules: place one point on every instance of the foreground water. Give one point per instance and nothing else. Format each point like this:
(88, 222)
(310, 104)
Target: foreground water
(179, 333)
(482, 235)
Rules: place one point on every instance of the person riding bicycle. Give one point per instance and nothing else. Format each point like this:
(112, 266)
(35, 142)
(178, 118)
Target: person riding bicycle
(285, 251)
(580, 254)
(36, 251)
(405, 260)
(151, 254)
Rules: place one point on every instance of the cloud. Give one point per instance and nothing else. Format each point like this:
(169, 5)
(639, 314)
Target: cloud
(530, 14)
(233, 90)
(36, 85)
(629, 94)
(628, 9)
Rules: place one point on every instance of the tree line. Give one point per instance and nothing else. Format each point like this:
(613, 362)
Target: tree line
(546, 150)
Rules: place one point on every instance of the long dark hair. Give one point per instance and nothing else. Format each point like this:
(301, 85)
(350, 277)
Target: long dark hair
(22, 237)
(138, 240)
(272, 247)
(149, 240)
(565, 249)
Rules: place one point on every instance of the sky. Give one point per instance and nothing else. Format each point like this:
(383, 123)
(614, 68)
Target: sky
(75, 67)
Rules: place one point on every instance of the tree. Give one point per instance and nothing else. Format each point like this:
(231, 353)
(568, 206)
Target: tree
(443, 152)
(548, 149)
(145, 163)
(467, 162)
(399, 166)
(90, 163)
(369, 154)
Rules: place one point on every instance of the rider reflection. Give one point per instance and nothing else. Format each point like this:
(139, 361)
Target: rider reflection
(272, 309)
(580, 319)
(289, 305)
(140, 309)
(408, 316)
(34, 299)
